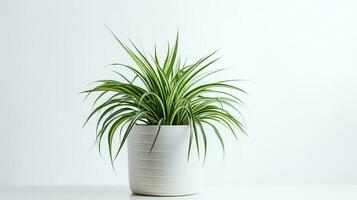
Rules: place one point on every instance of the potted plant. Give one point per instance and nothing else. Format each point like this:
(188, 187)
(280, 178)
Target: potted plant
(164, 114)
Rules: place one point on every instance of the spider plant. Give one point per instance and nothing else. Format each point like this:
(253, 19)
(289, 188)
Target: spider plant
(165, 92)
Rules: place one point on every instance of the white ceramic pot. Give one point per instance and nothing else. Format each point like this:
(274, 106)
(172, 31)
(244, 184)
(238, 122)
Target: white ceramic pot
(165, 171)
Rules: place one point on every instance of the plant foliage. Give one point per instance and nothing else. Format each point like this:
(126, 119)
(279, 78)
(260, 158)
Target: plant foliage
(165, 92)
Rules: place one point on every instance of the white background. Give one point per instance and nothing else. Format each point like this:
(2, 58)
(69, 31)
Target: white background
(299, 55)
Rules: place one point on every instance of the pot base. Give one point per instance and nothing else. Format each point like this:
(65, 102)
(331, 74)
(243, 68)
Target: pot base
(164, 195)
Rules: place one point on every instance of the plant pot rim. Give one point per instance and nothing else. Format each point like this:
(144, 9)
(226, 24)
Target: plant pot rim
(152, 129)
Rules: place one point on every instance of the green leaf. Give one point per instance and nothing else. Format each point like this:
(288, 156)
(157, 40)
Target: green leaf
(157, 134)
(218, 136)
(132, 123)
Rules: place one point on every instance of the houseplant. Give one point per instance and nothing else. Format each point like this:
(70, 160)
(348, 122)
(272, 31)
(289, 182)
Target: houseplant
(164, 114)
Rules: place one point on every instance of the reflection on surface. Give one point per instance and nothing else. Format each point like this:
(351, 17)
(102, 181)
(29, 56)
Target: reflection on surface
(347, 192)
(76, 192)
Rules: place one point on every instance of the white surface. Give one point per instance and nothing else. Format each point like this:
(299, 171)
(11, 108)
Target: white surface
(122, 192)
(299, 54)
(164, 171)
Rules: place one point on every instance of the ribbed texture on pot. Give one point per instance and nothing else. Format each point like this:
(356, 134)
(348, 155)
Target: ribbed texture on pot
(165, 171)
